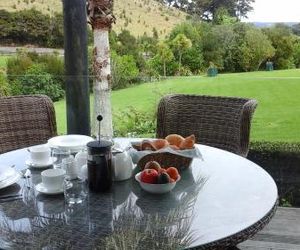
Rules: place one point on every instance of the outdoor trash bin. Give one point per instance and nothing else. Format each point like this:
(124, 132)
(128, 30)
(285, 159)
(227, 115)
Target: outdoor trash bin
(212, 71)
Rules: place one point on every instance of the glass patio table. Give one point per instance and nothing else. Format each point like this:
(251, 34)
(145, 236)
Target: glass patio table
(221, 200)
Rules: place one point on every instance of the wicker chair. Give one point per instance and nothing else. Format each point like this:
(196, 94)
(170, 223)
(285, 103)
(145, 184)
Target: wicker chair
(222, 122)
(25, 121)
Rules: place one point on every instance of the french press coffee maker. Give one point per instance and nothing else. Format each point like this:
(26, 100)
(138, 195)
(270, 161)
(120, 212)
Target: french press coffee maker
(99, 166)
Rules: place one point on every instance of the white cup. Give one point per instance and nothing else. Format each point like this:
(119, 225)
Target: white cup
(53, 179)
(39, 154)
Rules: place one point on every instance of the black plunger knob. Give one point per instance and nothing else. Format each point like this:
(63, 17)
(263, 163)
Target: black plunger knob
(99, 118)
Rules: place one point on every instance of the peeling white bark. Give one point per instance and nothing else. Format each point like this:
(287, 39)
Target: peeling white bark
(102, 86)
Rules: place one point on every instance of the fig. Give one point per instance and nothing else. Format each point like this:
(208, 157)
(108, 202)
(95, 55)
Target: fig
(163, 178)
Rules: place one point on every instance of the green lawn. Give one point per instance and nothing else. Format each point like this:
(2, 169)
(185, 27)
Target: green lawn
(277, 117)
(3, 62)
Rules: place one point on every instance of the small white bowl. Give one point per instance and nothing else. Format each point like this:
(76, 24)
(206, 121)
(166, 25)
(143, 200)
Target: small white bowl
(156, 188)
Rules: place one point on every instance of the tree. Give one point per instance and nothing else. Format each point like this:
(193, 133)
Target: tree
(243, 7)
(165, 54)
(296, 29)
(283, 41)
(207, 9)
(181, 43)
(101, 19)
(227, 47)
(211, 47)
(297, 53)
(124, 70)
(255, 49)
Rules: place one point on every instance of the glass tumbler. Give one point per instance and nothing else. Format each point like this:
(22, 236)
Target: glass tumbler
(75, 190)
(58, 154)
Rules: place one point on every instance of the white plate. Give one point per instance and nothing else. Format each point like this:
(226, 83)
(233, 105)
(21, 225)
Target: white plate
(10, 180)
(6, 172)
(74, 143)
(42, 189)
(36, 165)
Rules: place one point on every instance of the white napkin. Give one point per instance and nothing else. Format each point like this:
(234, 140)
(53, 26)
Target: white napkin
(6, 172)
(189, 153)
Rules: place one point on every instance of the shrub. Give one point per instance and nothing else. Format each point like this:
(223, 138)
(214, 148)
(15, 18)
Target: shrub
(124, 70)
(154, 67)
(33, 27)
(54, 65)
(4, 87)
(50, 65)
(16, 66)
(134, 122)
(184, 71)
(37, 81)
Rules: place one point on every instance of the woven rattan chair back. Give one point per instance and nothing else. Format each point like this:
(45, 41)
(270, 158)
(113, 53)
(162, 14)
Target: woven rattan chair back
(25, 121)
(222, 122)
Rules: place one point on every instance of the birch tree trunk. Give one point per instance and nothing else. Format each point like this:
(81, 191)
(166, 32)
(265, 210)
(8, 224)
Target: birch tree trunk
(101, 19)
(102, 84)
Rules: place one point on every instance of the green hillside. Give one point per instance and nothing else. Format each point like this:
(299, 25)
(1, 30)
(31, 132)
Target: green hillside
(138, 16)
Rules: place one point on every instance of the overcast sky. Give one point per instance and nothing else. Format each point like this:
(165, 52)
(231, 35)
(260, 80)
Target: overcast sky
(275, 11)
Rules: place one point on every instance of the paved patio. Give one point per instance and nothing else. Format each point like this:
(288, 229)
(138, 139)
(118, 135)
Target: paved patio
(282, 233)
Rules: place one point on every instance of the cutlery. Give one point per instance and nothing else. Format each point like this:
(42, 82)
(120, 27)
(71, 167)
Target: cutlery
(10, 199)
(9, 196)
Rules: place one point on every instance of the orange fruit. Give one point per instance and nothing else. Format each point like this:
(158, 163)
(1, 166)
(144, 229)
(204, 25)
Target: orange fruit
(162, 170)
(173, 173)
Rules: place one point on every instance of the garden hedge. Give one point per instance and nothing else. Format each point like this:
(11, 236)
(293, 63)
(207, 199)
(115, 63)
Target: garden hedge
(282, 161)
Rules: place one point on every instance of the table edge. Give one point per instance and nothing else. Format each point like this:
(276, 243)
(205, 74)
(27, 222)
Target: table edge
(236, 238)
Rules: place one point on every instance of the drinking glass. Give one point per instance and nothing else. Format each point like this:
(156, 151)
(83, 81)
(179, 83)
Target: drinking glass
(75, 190)
(58, 154)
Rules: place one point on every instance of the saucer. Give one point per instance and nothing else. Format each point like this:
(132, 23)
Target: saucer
(42, 189)
(40, 165)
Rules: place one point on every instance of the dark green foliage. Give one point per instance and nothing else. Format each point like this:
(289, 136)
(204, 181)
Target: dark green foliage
(31, 27)
(56, 31)
(207, 10)
(17, 65)
(297, 53)
(154, 67)
(54, 65)
(147, 45)
(212, 51)
(283, 41)
(30, 73)
(127, 45)
(255, 49)
(134, 122)
(296, 29)
(276, 147)
(4, 87)
(38, 81)
(124, 70)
